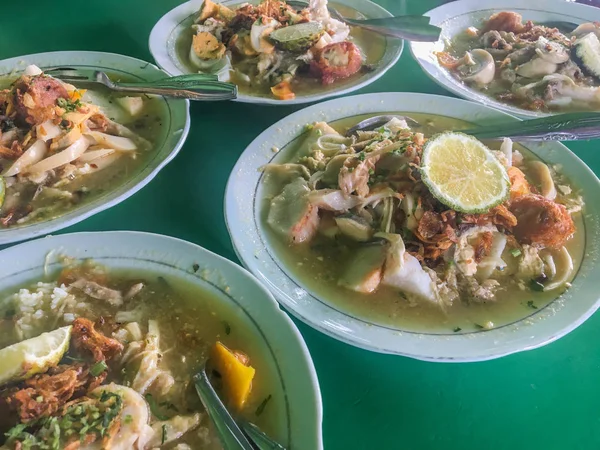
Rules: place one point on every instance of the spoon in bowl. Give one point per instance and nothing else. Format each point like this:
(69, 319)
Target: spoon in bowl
(231, 435)
(411, 28)
(561, 127)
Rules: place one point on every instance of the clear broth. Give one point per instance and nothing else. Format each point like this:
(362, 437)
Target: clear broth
(316, 266)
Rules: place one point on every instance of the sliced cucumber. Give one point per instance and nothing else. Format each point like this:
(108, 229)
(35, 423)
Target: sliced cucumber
(587, 50)
(297, 38)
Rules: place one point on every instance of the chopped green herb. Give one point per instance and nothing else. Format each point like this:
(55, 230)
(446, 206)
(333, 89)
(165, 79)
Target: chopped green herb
(127, 419)
(67, 105)
(83, 419)
(227, 328)
(457, 329)
(308, 127)
(402, 295)
(515, 252)
(371, 172)
(163, 439)
(196, 267)
(319, 133)
(262, 406)
(531, 304)
(536, 286)
(39, 399)
(9, 313)
(479, 327)
(361, 156)
(154, 408)
(98, 368)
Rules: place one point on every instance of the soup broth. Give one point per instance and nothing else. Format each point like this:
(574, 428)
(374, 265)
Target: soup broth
(188, 323)
(319, 264)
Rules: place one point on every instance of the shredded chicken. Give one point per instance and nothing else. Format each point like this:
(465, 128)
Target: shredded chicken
(87, 340)
(541, 221)
(98, 291)
(45, 394)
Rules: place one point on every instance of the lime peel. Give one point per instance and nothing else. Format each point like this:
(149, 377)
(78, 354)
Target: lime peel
(463, 174)
(36, 355)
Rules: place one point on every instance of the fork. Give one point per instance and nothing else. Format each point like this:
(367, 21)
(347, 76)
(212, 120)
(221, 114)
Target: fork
(201, 87)
(411, 28)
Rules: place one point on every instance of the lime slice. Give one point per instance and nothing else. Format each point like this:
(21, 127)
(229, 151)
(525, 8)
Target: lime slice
(2, 191)
(36, 355)
(297, 38)
(463, 174)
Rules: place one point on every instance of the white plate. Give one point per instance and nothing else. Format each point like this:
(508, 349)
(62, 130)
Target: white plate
(296, 393)
(541, 327)
(456, 16)
(167, 30)
(175, 119)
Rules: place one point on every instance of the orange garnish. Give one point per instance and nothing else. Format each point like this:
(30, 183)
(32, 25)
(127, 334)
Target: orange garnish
(283, 91)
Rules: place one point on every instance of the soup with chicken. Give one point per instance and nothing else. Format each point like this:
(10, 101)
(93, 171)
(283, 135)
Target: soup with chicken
(279, 50)
(369, 223)
(528, 65)
(104, 359)
(61, 146)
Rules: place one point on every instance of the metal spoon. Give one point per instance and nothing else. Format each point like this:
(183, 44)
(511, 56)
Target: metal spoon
(375, 122)
(411, 28)
(230, 434)
(204, 87)
(561, 127)
(232, 437)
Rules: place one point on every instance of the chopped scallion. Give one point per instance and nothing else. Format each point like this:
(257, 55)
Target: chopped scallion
(98, 368)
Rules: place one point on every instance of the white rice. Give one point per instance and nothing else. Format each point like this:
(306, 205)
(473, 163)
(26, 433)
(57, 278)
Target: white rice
(43, 307)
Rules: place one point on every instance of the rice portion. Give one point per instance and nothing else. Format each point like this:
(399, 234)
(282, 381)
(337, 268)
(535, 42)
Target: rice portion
(43, 307)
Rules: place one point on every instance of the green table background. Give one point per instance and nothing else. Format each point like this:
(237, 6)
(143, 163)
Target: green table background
(543, 399)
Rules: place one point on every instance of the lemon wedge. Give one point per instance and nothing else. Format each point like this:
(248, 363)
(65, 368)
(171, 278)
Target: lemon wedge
(463, 173)
(36, 355)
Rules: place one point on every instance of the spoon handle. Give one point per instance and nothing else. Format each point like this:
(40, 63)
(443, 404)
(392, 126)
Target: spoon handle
(411, 28)
(193, 86)
(260, 439)
(561, 127)
(230, 434)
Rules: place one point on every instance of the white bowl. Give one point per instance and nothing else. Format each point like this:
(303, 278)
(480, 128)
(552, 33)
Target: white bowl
(296, 392)
(175, 119)
(165, 33)
(540, 327)
(455, 17)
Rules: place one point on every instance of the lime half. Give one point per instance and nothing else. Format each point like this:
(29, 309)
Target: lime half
(2, 191)
(463, 174)
(36, 355)
(297, 38)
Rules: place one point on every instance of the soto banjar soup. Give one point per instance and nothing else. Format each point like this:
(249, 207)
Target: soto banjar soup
(61, 146)
(98, 359)
(422, 229)
(279, 50)
(528, 65)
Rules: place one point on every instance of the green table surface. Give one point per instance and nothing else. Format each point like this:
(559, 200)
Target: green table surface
(543, 399)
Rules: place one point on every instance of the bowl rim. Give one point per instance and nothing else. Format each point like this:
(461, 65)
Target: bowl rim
(249, 243)
(177, 110)
(165, 26)
(439, 15)
(294, 358)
